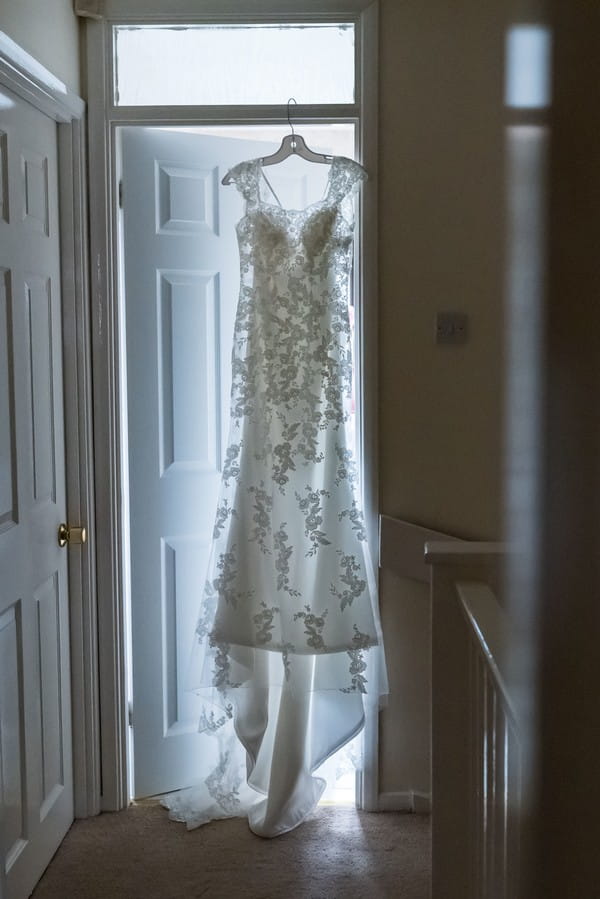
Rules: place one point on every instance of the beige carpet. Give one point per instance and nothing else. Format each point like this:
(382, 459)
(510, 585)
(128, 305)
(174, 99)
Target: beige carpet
(338, 852)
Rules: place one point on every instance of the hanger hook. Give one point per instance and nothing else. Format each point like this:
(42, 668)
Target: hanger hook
(291, 100)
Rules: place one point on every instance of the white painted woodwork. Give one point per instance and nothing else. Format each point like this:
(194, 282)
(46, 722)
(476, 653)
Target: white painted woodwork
(80, 464)
(24, 76)
(181, 274)
(495, 755)
(476, 742)
(36, 788)
(106, 320)
(188, 11)
(402, 547)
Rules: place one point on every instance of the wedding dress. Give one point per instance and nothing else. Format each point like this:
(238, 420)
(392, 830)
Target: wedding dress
(288, 644)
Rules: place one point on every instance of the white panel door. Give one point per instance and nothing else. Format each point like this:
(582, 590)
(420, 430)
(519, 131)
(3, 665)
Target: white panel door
(36, 791)
(181, 273)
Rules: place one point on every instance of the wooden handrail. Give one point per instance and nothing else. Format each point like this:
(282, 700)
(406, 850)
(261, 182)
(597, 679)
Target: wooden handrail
(402, 547)
(464, 553)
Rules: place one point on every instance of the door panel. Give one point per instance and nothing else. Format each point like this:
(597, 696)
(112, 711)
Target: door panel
(189, 411)
(38, 311)
(36, 793)
(8, 463)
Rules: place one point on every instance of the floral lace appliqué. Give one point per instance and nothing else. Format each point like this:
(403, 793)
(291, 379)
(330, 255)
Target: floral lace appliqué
(355, 585)
(282, 566)
(264, 623)
(313, 628)
(311, 508)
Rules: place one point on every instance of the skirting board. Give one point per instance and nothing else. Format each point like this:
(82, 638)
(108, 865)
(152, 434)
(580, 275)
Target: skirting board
(408, 801)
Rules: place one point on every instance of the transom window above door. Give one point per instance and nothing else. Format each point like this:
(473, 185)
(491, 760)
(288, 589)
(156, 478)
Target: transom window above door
(242, 64)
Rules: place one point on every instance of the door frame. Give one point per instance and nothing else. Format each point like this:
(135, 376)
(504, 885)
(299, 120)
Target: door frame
(104, 119)
(22, 74)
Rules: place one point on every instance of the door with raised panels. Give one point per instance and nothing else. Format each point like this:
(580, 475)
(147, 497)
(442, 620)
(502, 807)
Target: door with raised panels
(36, 789)
(181, 277)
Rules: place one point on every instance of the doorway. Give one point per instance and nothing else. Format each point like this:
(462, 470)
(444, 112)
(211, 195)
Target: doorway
(113, 110)
(179, 275)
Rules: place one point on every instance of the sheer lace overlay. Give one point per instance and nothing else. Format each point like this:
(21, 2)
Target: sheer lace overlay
(288, 642)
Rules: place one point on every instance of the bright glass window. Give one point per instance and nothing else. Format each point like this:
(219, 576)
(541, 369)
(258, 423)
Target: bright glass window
(197, 65)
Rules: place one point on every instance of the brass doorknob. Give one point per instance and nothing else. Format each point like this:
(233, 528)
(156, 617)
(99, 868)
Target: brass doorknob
(68, 534)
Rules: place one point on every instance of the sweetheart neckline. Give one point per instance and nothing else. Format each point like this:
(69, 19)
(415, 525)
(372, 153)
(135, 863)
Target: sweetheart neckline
(286, 211)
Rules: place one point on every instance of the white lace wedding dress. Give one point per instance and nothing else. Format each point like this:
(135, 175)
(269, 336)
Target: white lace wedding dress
(288, 646)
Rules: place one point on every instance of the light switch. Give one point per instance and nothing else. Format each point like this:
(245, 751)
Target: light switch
(451, 327)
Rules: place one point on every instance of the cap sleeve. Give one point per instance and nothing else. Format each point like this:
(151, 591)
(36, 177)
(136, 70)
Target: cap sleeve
(348, 176)
(243, 175)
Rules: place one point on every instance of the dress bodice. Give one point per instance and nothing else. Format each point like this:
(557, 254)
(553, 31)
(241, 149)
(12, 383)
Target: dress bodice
(292, 330)
(274, 235)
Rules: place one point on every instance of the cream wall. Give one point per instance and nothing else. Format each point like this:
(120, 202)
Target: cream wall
(49, 30)
(440, 201)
